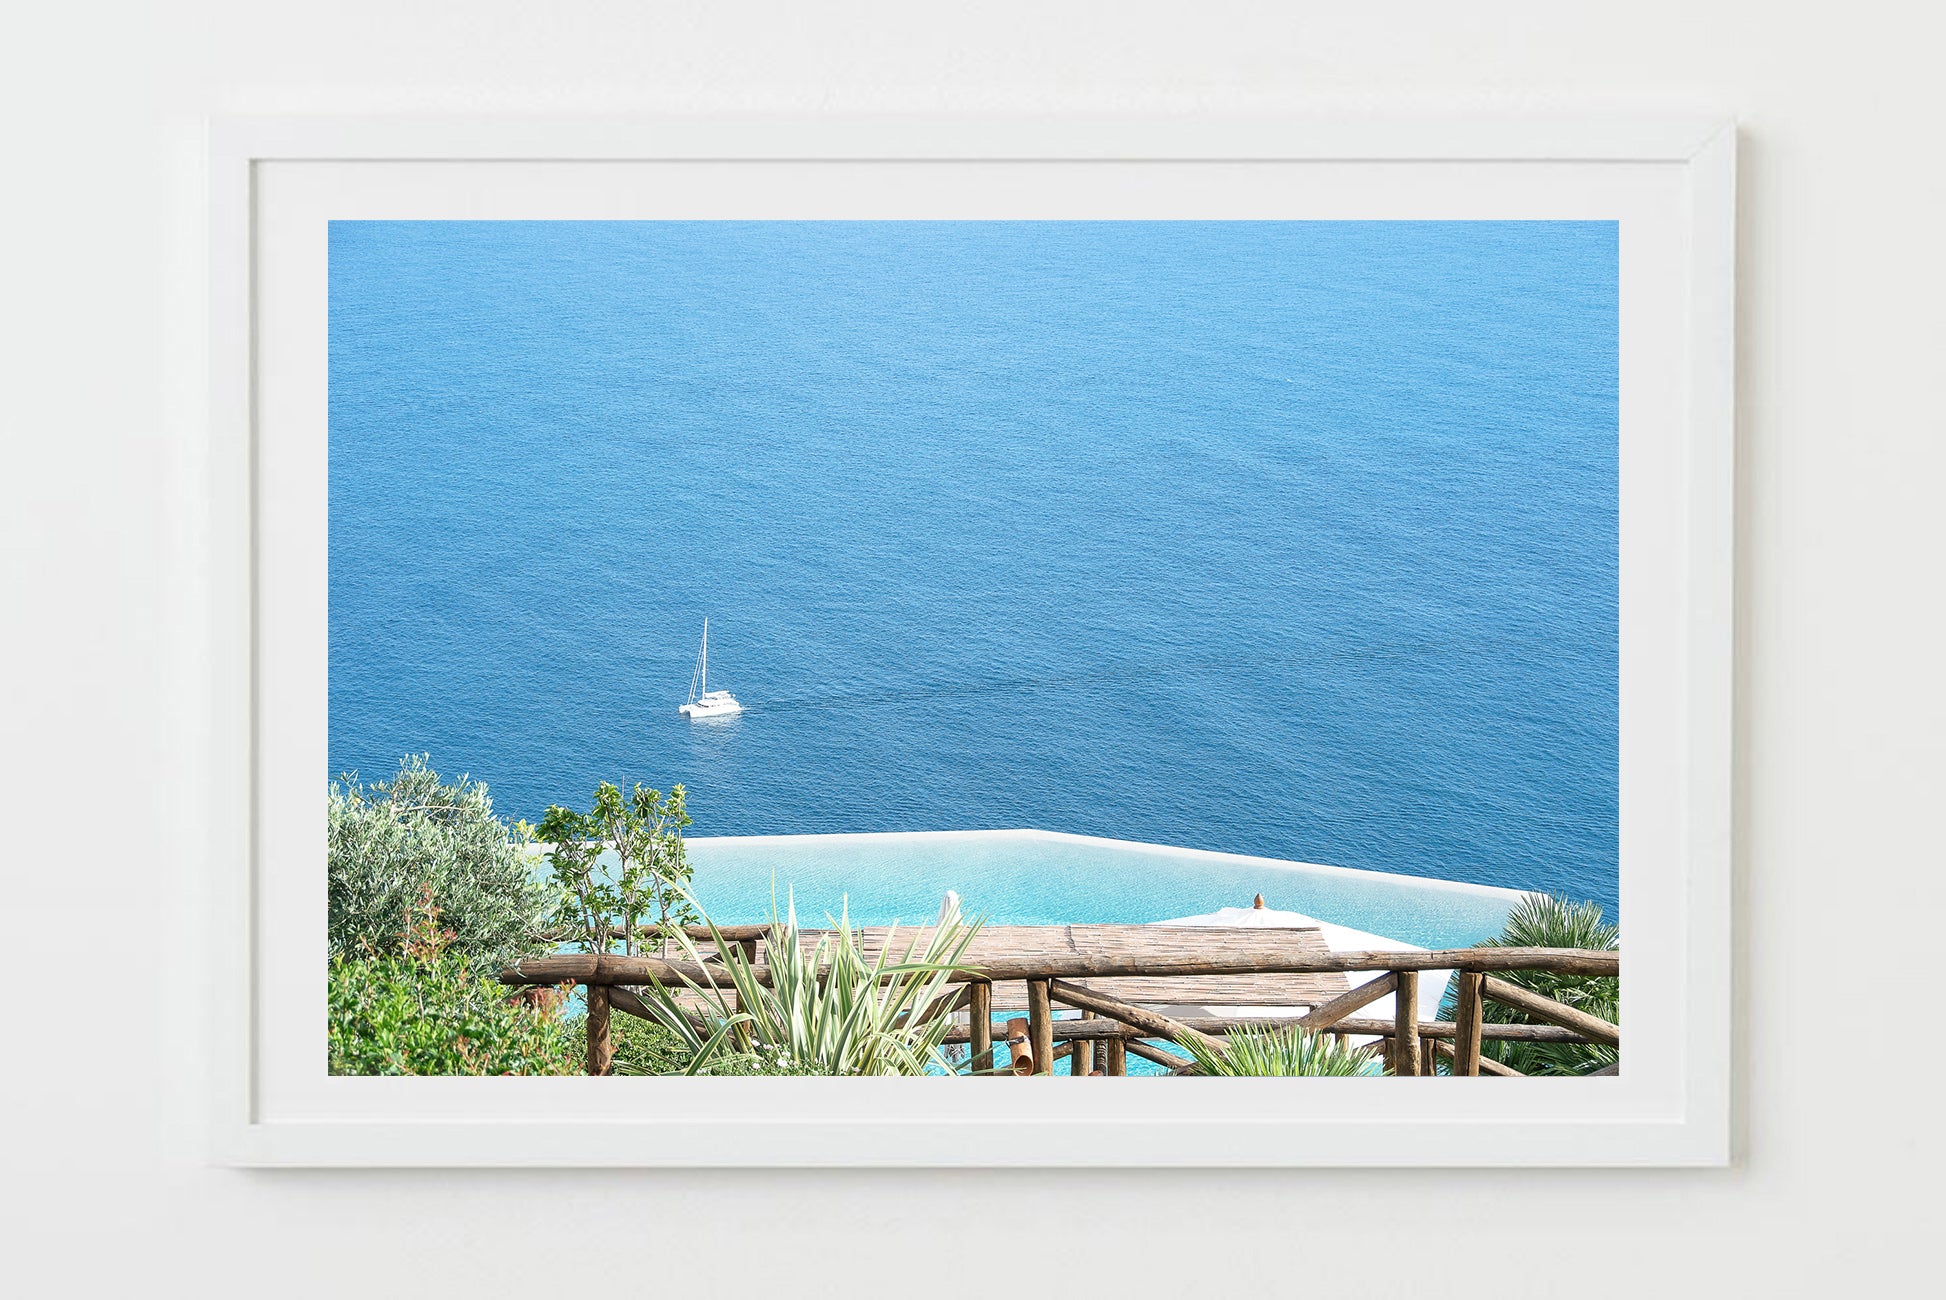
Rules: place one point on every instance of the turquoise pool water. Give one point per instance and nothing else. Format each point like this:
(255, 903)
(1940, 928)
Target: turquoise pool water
(1043, 878)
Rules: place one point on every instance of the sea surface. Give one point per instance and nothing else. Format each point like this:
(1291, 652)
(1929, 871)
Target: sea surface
(1287, 539)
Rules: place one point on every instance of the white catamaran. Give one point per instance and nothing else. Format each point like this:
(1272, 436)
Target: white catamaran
(704, 702)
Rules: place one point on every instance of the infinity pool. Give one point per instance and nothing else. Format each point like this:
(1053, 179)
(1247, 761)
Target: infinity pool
(1026, 877)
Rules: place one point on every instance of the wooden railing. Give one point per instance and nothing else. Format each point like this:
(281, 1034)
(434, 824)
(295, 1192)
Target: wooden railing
(1407, 1045)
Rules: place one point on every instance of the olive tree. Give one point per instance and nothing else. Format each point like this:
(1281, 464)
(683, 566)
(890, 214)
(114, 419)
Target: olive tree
(393, 843)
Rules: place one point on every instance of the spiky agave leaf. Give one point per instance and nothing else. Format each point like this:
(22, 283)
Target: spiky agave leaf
(826, 1010)
(1279, 1051)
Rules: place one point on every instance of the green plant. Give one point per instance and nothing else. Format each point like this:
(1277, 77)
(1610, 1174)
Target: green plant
(1279, 1051)
(826, 1009)
(390, 842)
(428, 1009)
(642, 1046)
(775, 1063)
(650, 876)
(1545, 921)
(646, 1047)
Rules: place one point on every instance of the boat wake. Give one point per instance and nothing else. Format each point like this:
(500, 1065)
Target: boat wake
(852, 700)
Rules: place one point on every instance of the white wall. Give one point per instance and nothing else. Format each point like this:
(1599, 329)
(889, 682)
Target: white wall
(1843, 449)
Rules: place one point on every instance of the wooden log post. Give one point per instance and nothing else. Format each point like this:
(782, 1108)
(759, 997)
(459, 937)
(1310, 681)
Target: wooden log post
(1022, 1045)
(1541, 1007)
(979, 1025)
(1466, 1026)
(1103, 1027)
(1489, 1031)
(1341, 1007)
(1084, 1052)
(1114, 1057)
(1405, 1024)
(1149, 1022)
(601, 1046)
(1040, 1026)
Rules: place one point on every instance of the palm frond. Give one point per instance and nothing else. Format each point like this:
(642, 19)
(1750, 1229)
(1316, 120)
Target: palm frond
(1548, 921)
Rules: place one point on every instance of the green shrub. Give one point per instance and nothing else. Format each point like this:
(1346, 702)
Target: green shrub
(391, 842)
(1280, 1051)
(645, 1047)
(1544, 921)
(619, 864)
(432, 1010)
(641, 1046)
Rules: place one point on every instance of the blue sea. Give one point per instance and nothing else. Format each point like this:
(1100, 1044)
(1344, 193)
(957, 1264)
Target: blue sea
(1292, 539)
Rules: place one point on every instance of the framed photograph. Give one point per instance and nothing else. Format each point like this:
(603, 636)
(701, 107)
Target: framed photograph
(755, 641)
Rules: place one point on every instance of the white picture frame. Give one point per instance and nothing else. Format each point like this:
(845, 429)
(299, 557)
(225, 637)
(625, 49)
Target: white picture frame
(1671, 183)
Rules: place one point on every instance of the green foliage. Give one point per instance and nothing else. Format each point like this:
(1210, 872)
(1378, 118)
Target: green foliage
(1280, 1051)
(431, 1010)
(1544, 921)
(391, 842)
(650, 877)
(828, 1011)
(646, 1047)
(774, 1063)
(641, 1047)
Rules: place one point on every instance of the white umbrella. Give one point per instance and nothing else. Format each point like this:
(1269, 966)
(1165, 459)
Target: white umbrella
(1338, 938)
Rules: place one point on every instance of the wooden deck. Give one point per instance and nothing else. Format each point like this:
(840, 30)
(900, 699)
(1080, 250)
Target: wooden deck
(1134, 942)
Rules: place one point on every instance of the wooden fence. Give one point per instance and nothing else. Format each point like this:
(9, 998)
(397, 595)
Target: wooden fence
(1053, 979)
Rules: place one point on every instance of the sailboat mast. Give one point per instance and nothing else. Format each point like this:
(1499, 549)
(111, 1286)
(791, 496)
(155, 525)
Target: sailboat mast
(704, 703)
